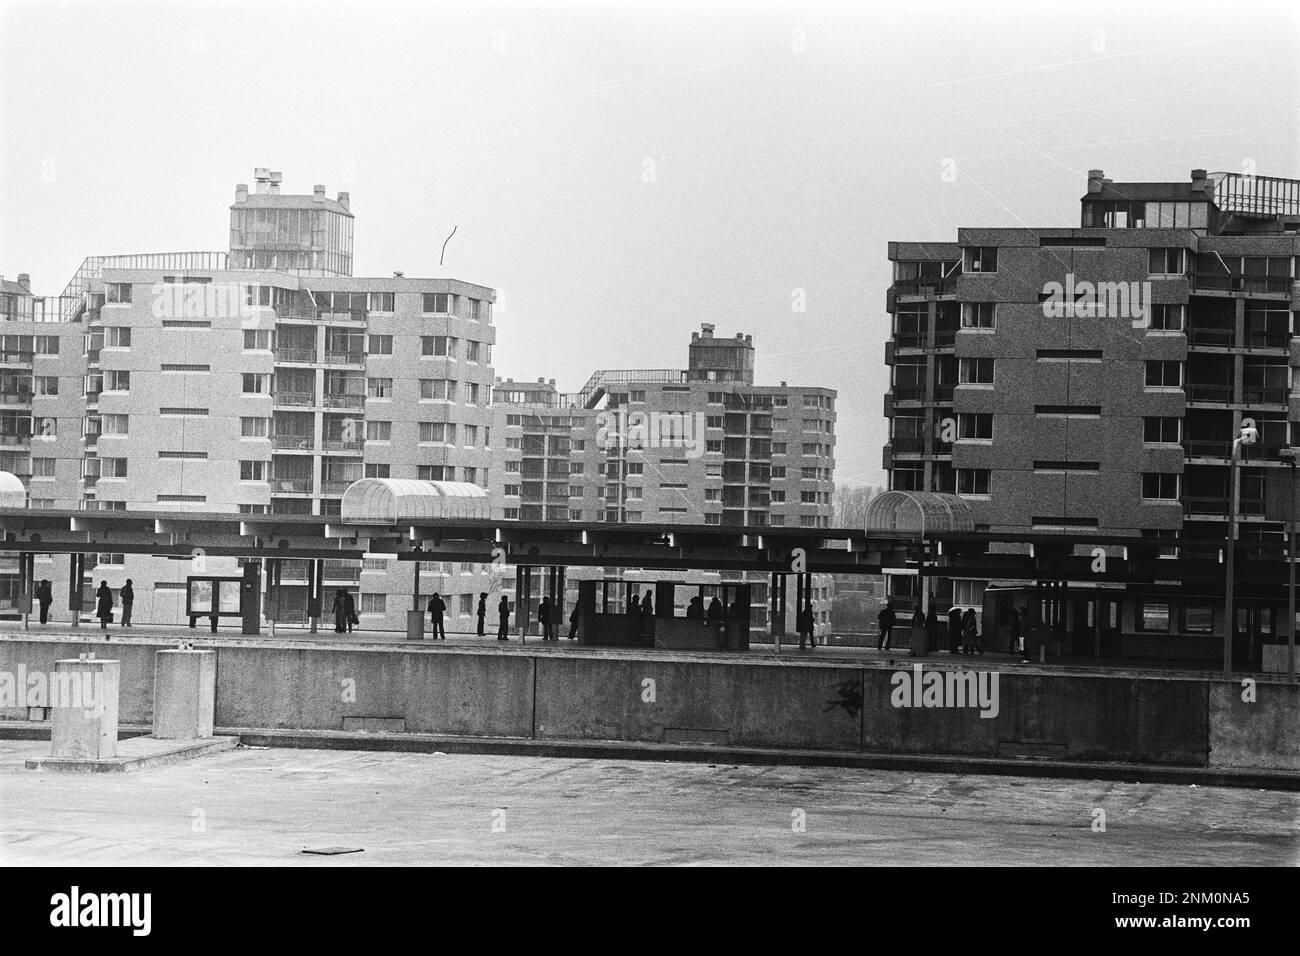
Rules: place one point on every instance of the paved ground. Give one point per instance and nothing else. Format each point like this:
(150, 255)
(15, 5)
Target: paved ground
(262, 807)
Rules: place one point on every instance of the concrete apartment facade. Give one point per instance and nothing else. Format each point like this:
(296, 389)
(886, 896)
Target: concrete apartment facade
(250, 390)
(1092, 379)
(700, 445)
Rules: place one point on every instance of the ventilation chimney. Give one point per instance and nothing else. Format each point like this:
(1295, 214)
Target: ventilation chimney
(706, 329)
(241, 192)
(1096, 178)
(276, 177)
(25, 281)
(318, 193)
(344, 199)
(1200, 181)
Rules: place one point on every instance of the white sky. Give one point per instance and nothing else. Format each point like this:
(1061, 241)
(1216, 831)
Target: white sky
(789, 144)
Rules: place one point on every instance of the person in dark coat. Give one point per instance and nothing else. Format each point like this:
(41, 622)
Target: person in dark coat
(573, 621)
(954, 630)
(482, 613)
(44, 597)
(633, 605)
(804, 620)
(340, 609)
(647, 606)
(503, 618)
(970, 633)
(715, 611)
(545, 619)
(349, 611)
(437, 608)
(128, 599)
(885, 620)
(695, 609)
(104, 604)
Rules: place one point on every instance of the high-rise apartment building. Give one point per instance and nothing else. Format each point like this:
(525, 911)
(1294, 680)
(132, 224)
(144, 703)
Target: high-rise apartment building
(182, 381)
(700, 445)
(1094, 378)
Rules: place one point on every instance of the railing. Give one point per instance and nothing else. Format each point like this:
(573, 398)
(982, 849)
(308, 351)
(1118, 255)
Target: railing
(17, 358)
(345, 400)
(293, 398)
(295, 355)
(334, 486)
(1213, 337)
(943, 393)
(1267, 340)
(907, 446)
(1206, 448)
(338, 444)
(909, 340)
(946, 286)
(293, 486)
(1223, 282)
(15, 439)
(1262, 395)
(909, 393)
(15, 398)
(345, 358)
(1218, 505)
(1208, 393)
(293, 442)
(945, 338)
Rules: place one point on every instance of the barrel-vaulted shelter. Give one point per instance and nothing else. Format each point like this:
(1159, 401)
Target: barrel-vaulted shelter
(12, 492)
(401, 500)
(918, 512)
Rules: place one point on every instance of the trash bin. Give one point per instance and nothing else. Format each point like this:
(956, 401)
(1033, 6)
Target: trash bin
(415, 625)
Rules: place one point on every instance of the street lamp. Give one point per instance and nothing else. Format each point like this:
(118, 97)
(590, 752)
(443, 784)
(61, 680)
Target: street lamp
(1289, 455)
(1249, 435)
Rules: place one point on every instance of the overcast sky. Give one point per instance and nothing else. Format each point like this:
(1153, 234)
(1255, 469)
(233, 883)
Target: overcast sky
(624, 172)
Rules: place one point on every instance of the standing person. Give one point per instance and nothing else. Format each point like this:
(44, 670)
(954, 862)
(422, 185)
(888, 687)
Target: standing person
(349, 611)
(544, 617)
(647, 606)
(437, 608)
(104, 605)
(573, 620)
(695, 609)
(885, 620)
(128, 599)
(503, 618)
(339, 608)
(482, 613)
(954, 630)
(715, 611)
(44, 597)
(970, 632)
(633, 606)
(917, 637)
(804, 622)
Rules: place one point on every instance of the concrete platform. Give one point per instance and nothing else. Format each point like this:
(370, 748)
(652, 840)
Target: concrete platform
(137, 753)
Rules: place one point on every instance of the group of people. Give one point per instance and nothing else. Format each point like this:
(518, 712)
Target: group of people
(963, 628)
(437, 609)
(345, 612)
(103, 602)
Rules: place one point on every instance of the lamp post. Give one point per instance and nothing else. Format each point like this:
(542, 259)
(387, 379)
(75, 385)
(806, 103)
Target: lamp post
(1248, 436)
(1289, 455)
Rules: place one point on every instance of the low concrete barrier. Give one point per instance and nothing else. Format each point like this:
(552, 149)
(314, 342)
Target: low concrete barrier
(27, 657)
(1255, 727)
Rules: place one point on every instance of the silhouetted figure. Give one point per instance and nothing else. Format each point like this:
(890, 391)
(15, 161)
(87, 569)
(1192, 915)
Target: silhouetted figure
(44, 597)
(573, 621)
(647, 606)
(437, 608)
(715, 611)
(1017, 634)
(340, 609)
(885, 620)
(128, 599)
(104, 605)
(503, 619)
(349, 611)
(954, 630)
(695, 609)
(545, 619)
(970, 634)
(804, 622)
(482, 613)
(633, 605)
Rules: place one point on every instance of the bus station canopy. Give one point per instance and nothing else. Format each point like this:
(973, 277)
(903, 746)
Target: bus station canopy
(919, 512)
(393, 500)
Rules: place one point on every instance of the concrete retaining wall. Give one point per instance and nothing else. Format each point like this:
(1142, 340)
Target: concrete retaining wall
(652, 697)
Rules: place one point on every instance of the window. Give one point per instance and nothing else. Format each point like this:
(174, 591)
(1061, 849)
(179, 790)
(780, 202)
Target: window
(637, 395)
(1159, 485)
(254, 427)
(1153, 616)
(1168, 262)
(972, 481)
(1196, 619)
(112, 467)
(117, 381)
(471, 350)
(117, 337)
(117, 292)
(715, 398)
(46, 384)
(442, 346)
(512, 490)
(472, 397)
(469, 436)
(379, 388)
(438, 389)
(978, 315)
(437, 303)
(1162, 374)
(257, 383)
(252, 471)
(379, 344)
(975, 371)
(113, 424)
(1167, 318)
(46, 345)
(434, 473)
(186, 367)
(42, 467)
(1162, 430)
(443, 432)
(982, 259)
(381, 301)
(379, 431)
(257, 340)
(972, 425)
(375, 470)
(375, 603)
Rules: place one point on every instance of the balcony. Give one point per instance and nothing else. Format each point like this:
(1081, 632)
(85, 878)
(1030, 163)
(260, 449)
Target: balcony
(1218, 505)
(909, 340)
(1207, 448)
(1264, 395)
(345, 358)
(1259, 339)
(1256, 285)
(945, 338)
(334, 487)
(1208, 393)
(291, 486)
(338, 444)
(292, 442)
(946, 286)
(15, 398)
(15, 440)
(345, 400)
(1213, 338)
(302, 356)
(294, 398)
(16, 358)
(907, 446)
(909, 393)
(944, 393)
(90, 480)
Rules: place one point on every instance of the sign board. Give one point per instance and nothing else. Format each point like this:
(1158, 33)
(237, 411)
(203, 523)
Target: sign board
(205, 596)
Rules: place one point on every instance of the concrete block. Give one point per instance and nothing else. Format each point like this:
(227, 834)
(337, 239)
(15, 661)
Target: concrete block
(83, 705)
(184, 696)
